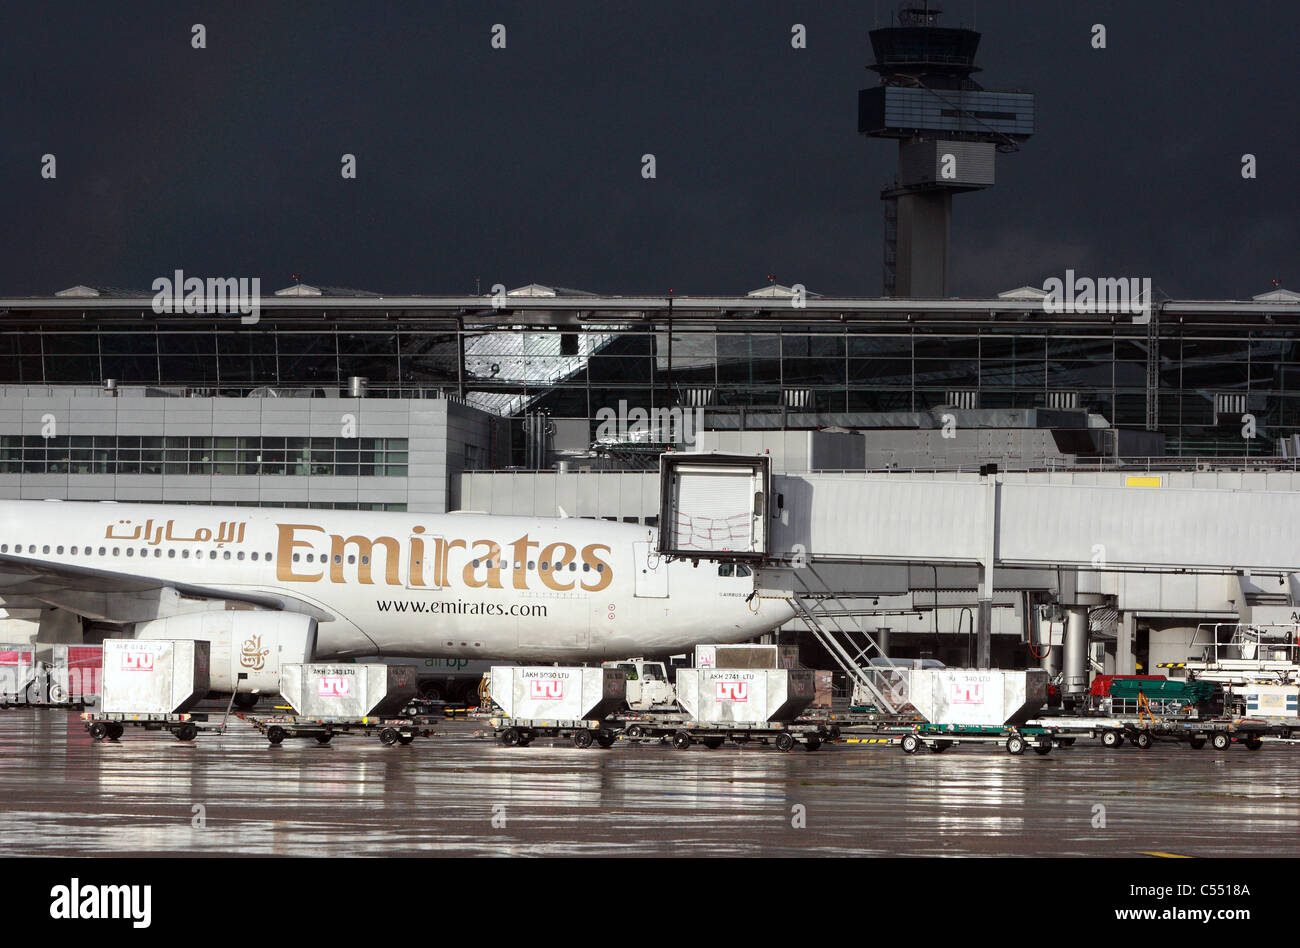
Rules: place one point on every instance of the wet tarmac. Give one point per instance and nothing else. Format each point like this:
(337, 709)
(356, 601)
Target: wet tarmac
(455, 794)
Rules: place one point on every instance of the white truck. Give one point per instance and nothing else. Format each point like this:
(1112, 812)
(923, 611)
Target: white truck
(648, 687)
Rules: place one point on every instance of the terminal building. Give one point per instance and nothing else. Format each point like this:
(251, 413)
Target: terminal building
(552, 402)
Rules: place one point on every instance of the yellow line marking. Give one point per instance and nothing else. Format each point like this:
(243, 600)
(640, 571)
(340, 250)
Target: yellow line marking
(1167, 855)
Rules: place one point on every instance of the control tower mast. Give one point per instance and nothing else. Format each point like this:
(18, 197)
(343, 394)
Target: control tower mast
(948, 128)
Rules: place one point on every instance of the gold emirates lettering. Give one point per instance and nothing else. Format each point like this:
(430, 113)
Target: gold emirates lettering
(429, 560)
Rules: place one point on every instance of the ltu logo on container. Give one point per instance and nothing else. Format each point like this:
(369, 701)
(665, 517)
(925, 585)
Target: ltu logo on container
(967, 694)
(547, 689)
(333, 686)
(137, 661)
(732, 690)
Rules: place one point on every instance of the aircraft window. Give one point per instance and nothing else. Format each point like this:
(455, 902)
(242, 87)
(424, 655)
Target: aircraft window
(519, 565)
(365, 559)
(586, 567)
(45, 549)
(572, 567)
(226, 555)
(267, 557)
(240, 556)
(295, 557)
(130, 552)
(171, 554)
(532, 564)
(185, 554)
(117, 551)
(73, 551)
(157, 552)
(32, 548)
(212, 554)
(600, 567)
(255, 557)
(544, 566)
(725, 569)
(59, 550)
(4, 547)
(338, 557)
(101, 551)
(352, 558)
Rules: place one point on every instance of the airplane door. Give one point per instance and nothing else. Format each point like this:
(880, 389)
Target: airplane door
(651, 572)
(422, 570)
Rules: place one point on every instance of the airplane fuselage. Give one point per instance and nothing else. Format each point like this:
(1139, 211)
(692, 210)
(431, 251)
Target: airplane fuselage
(464, 585)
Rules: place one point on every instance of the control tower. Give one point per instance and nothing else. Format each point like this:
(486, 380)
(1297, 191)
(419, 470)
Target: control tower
(949, 129)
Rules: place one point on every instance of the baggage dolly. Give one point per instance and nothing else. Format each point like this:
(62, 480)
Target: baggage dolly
(390, 731)
(1015, 738)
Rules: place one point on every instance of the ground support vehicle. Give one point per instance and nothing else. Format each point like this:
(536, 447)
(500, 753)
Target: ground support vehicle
(1144, 730)
(390, 730)
(939, 737)
(104, 725)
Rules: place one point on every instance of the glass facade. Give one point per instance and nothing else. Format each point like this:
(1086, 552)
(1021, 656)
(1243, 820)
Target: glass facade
(904, 362)
(255, 456)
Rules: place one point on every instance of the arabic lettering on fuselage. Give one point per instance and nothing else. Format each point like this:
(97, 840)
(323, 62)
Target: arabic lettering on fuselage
(228, 531)
(428, 560)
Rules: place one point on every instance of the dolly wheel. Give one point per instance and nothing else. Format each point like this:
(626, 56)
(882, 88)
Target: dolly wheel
(98, 730)
(785, 741)
(275, 734)
(1253, 743)
(1143, 739)
(1221, 741)
(606, 739)
(583, 739)
(510, 737)
(405, 739)
(1015, 744)
(681, 740)
(186, 732)
(910, 744)
(388, 736)
(1112, 738)
(115, 731)
(1196, 743)
(812, 742)
(324, 738)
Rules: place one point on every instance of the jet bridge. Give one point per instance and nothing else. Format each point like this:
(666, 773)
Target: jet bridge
(1097, 543)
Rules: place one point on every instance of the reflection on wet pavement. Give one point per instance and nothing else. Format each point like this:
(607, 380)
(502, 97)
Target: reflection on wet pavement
(63, 794)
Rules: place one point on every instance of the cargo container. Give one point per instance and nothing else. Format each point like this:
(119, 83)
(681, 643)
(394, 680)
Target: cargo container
(744, 695)
(75, 673)
(532, 692)
(346, 691)
(18, 683)
(154, 677)
(746, 656)
(984, 697)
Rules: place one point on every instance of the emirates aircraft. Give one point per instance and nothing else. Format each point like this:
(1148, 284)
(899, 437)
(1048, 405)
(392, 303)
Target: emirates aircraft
(266, 586)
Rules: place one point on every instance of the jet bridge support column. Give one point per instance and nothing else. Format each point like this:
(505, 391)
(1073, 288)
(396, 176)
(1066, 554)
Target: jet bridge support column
(984, 623)
(1075, 652)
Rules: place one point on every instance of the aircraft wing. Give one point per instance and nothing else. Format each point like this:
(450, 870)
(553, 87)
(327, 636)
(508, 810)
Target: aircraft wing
(25, 581)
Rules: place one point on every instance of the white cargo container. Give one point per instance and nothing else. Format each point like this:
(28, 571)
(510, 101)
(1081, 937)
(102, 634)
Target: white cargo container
(17, 672)
(543, 692)
(746, 656)
(346, 691)
(153, 677)
(987, 697)
(744, 695)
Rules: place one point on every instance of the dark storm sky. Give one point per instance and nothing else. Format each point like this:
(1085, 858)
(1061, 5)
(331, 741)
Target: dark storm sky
(523, 164)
